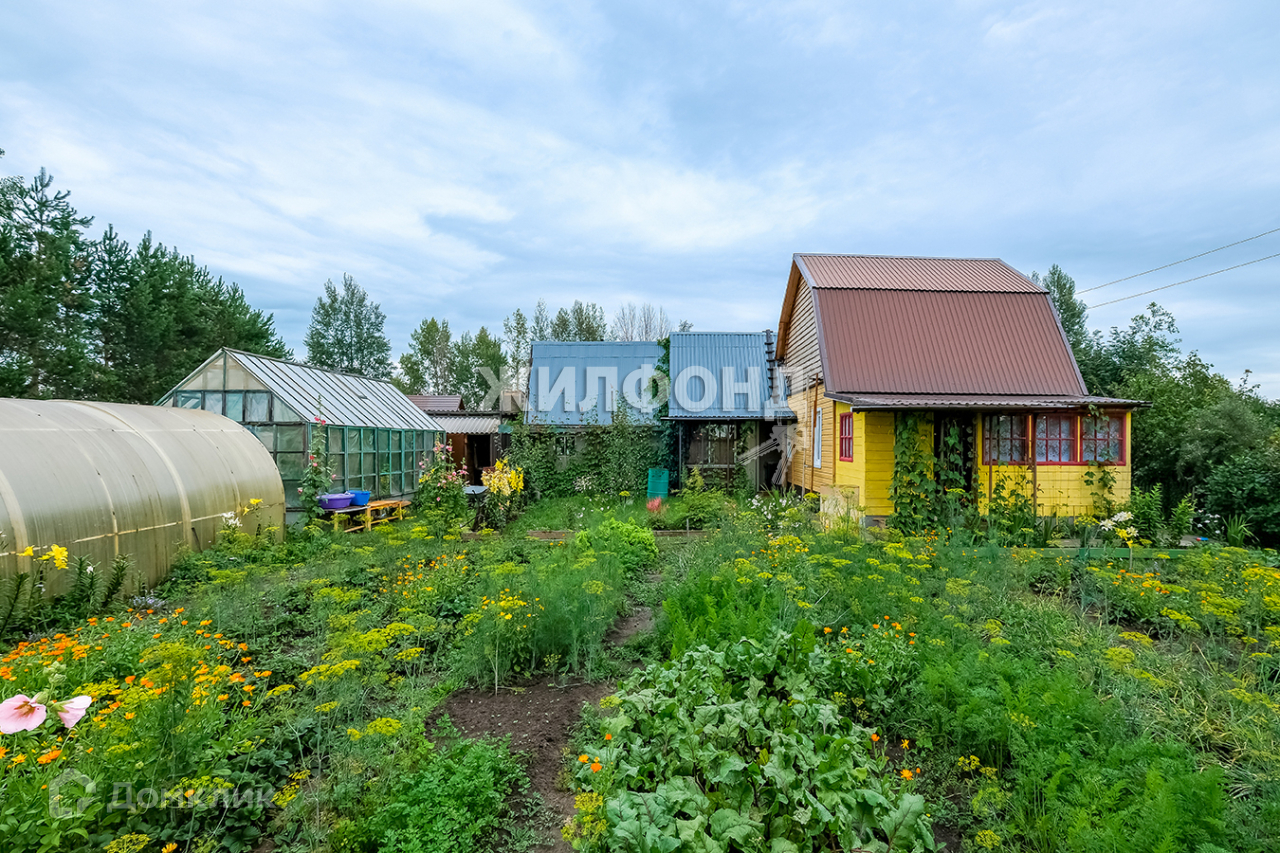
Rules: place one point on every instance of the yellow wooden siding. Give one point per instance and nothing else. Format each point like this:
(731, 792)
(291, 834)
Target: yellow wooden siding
(1061, 489)
(854, 473)
(879, 463)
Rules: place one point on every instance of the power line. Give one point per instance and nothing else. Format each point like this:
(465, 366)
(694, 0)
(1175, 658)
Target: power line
(1175, 263)
(1184, 281)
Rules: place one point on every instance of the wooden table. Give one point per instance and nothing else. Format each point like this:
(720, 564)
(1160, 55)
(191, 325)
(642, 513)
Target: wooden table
(363, 518)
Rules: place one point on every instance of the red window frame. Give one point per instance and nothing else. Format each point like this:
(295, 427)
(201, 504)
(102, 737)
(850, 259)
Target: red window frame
(1056, 437)
(1005, 440)
(846, 437)
(1114, 437)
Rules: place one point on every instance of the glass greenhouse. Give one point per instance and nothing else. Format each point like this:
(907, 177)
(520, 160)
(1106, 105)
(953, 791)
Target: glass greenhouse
(378, 440)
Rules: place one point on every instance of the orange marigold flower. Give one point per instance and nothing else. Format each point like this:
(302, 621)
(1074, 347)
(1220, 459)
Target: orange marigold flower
(584, 759)
(906, 774)
(608, 737)
(596, 767)
(49, 756)
(875, 738)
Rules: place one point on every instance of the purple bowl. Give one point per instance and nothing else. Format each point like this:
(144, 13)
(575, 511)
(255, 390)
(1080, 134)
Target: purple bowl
(341, 500)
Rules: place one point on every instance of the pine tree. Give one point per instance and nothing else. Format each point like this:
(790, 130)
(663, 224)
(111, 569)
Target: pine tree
(44, 295)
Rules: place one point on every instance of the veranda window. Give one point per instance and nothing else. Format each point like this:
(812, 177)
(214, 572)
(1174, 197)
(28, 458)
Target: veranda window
(1055, 438)
(1102, 439)
(1004, 439)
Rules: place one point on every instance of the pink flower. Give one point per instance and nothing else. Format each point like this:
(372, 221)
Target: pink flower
(655, 504)
(21, 714)
(72, 710)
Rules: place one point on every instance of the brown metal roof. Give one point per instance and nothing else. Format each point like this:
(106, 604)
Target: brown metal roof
(880, 272)
(896, 341)
(438, 402)
(978, 401)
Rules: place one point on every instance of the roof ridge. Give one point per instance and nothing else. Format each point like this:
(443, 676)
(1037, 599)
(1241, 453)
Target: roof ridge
(303, 364)
(890, 257)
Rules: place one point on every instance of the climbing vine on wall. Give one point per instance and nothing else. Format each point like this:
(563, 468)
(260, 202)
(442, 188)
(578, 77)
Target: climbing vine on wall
(913, 488)
(591, 459)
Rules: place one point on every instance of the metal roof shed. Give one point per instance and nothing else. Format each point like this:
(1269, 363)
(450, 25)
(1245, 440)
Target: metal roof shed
(377, 438)
(722, 376)
(104, 479)
(568, 379)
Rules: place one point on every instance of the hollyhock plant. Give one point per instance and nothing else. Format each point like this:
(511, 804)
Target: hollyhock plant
(21, 714)
(72, 710)
(24, 713)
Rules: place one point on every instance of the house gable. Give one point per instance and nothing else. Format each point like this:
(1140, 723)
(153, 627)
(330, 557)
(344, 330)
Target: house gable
(798, 334)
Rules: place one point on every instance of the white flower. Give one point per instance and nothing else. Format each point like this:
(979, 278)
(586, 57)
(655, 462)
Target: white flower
(1122, 516)
(1130, 533)
(1109, 524)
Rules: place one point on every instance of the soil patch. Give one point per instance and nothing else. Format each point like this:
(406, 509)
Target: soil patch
(628, 626)
(538, 718)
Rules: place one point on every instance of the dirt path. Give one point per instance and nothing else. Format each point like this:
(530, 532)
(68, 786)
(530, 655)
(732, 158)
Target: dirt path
(538, 717)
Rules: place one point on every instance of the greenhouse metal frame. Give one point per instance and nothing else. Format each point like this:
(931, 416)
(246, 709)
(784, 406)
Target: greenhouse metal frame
(378, 439)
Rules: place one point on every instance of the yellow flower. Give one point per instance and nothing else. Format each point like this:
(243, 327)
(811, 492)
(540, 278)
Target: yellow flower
(30, 552)
(58, 554)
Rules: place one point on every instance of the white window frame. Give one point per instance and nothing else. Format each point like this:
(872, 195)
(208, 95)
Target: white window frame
(817, 438)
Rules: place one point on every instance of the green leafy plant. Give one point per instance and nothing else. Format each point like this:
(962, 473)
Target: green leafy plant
(458, 803)
(633, 545)
(739, 750)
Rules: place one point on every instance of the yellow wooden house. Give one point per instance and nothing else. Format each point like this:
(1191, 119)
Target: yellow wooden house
(973, 348)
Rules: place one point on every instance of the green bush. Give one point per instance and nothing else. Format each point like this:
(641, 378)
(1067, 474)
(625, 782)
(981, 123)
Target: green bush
(1249, 485)
(633, 545)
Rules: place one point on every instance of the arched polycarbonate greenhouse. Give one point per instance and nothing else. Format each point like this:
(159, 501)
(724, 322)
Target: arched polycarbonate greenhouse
(105, 479)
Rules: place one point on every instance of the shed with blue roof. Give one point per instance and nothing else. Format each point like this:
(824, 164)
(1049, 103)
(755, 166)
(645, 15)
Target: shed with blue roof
(725, 398)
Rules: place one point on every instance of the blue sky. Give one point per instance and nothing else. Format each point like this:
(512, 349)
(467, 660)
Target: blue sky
(462, 160)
